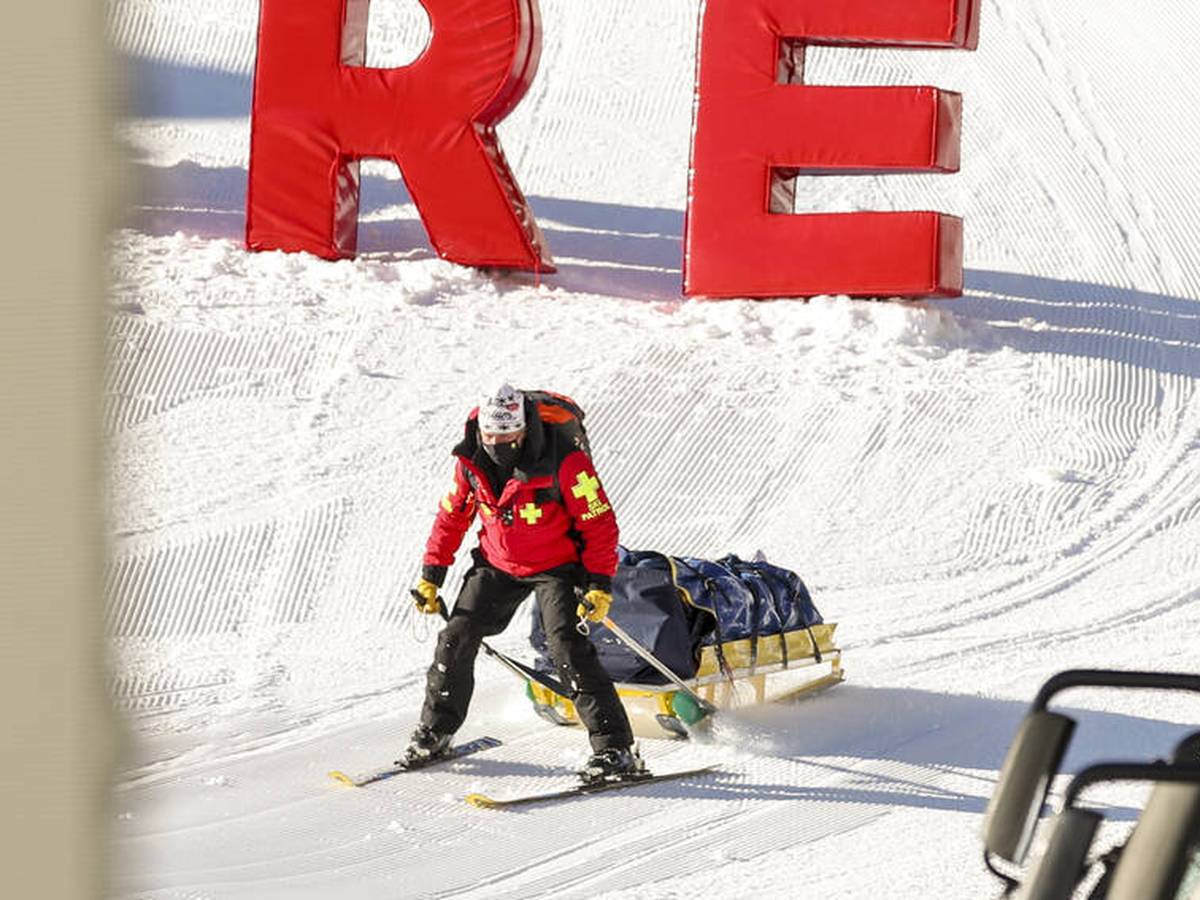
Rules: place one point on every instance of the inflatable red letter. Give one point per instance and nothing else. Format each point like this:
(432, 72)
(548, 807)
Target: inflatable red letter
(317, 111)
(756, 124)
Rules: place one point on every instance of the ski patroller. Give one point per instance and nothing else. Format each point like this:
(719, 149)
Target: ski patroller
(482, 801)
(456, 752)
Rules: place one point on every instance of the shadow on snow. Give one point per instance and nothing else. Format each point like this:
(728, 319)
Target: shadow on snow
(635, 252)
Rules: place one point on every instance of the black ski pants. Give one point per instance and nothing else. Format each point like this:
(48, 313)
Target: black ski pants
(486, 604)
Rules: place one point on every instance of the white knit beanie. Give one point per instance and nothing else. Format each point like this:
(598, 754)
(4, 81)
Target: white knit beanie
(502, 411)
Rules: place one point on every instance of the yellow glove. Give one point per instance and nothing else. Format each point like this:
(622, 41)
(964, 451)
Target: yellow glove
(425, 595)
(599, 601)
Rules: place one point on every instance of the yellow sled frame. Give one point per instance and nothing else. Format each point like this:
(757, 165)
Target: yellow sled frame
(664, 711)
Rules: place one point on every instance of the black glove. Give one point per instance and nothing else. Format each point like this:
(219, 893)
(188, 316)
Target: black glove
(594, 581)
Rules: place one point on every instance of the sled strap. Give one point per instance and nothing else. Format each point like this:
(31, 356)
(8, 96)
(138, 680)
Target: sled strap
(755, 609)
(774, 600)
(711, 585)
(783, 647)
(812, 635)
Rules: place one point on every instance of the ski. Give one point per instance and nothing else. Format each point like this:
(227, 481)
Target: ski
(456, 752)
(482, 801)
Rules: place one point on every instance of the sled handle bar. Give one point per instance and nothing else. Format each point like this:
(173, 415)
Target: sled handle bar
(522, 671)
(649, 657)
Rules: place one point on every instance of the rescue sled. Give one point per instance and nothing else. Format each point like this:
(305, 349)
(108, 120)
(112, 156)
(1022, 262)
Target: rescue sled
(717, 634)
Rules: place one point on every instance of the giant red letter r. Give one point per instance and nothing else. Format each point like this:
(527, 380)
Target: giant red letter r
(317, 111)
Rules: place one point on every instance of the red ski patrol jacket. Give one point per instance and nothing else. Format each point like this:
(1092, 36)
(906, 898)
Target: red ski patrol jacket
(551, 512)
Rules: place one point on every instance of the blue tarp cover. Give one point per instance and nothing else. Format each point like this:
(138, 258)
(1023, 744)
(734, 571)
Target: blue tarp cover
(747, 598)
(675, 605)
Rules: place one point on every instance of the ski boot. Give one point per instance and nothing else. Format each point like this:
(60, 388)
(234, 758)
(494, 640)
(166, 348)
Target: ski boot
(613, 764)
(424, 746)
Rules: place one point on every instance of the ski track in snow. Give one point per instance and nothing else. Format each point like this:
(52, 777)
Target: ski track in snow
(980, 491)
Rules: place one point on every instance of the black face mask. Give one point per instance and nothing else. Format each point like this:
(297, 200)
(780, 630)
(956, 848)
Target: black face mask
(503, 455)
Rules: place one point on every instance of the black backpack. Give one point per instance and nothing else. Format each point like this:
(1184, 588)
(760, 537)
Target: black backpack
(560, 412)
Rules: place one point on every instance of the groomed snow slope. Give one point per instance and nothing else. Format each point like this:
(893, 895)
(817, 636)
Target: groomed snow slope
(980, 491)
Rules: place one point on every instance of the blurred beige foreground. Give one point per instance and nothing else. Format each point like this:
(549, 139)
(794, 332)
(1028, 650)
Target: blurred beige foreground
(57, 160)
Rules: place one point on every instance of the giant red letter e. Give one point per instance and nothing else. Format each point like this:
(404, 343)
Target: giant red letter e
(755, 120)
(317, 111)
